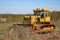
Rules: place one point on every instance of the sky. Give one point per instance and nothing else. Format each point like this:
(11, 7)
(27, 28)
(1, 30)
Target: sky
(27, 6)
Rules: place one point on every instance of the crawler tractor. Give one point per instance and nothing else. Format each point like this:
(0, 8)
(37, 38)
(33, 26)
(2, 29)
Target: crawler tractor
(39, 21)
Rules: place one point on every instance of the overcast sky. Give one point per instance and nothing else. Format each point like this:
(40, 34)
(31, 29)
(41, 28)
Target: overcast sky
(27, 6)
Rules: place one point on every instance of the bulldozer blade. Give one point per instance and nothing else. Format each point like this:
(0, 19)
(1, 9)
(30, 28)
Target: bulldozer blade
(25, 25)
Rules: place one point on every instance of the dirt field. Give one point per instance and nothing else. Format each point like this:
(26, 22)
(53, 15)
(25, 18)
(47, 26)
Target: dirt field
(8, 31)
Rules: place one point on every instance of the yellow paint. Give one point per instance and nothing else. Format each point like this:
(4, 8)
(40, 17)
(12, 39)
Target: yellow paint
(42, 20)
(47, 19)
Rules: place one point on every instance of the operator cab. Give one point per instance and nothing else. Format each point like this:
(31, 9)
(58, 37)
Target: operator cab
(39, 12)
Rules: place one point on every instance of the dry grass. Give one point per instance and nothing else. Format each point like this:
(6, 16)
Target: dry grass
(10, 32)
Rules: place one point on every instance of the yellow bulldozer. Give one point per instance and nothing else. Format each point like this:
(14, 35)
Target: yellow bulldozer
(39, 21)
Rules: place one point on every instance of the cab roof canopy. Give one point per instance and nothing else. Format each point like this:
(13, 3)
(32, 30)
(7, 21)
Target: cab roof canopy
(40, 10)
